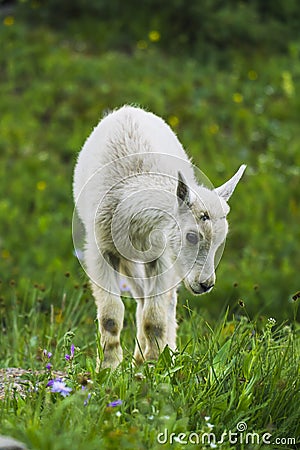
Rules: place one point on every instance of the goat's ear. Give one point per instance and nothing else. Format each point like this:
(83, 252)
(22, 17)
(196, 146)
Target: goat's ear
(182, 192)
(225, 191)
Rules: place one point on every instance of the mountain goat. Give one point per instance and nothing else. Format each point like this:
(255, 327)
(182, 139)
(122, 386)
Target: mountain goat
(146, 219)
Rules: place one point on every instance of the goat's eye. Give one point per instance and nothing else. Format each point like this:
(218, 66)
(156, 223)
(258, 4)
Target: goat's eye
(192, 238)
(204, 217)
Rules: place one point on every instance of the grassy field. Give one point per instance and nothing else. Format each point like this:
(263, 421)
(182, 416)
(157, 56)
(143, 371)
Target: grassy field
(239, 375)
(238, 347)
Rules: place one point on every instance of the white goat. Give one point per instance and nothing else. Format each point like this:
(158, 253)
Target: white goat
(145, 217)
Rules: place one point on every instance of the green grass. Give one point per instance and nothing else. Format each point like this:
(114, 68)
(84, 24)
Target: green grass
(230, 367)
(237, 371)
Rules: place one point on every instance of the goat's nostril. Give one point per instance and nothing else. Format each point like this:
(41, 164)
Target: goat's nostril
(206, 287)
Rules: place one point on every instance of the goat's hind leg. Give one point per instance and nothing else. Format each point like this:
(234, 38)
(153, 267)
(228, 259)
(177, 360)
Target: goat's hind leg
(140, 346)
(135, 274)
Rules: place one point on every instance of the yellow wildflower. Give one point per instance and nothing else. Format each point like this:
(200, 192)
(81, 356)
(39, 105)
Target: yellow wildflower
(9, 21)
(213, 128)
(173, 121)
(5, 254)
(41, 185)
(154, 36)
(237, 97)
(252, 75)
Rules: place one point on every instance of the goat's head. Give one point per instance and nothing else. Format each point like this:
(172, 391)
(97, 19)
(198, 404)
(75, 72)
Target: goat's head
(201, 215)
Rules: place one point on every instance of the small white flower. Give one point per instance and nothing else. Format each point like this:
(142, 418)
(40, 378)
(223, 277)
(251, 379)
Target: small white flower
(212, 445)
(207, 418)
(210, 425)
(151, 417)
(118, 413)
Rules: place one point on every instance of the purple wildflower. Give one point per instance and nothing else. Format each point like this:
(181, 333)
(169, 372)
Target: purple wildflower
(59, 386)
(86, 401)
(47, 354)
(51, 382)
(115, 403)
(72, 351)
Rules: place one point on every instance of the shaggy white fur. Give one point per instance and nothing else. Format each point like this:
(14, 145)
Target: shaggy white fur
(145, 217)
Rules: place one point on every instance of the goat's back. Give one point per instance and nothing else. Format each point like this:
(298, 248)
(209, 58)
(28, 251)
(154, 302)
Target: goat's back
(126, 143)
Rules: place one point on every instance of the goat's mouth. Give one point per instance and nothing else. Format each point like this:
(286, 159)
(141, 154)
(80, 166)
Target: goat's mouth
(197, 292)
(202, 288)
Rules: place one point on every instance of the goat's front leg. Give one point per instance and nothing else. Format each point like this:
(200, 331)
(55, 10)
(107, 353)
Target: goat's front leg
(155, 326)
(110, 313)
